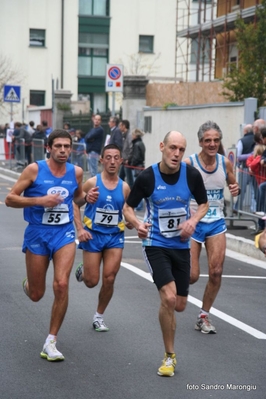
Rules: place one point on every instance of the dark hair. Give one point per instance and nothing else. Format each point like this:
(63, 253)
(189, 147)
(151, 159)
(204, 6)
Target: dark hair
(126, 123)
(115, 120)
(110, 147)
(44, 123)
(31, 123)
(58, 133)
(67, 124)
(263, 132)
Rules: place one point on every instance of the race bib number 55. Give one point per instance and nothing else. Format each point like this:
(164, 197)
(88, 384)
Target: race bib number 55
(56, 215)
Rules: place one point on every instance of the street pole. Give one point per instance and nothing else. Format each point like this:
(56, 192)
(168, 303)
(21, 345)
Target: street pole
(113, 103)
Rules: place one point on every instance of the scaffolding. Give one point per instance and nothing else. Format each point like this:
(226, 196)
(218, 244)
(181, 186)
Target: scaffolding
(205, 37)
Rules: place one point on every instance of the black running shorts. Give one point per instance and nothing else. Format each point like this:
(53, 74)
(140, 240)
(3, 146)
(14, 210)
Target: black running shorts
(166, 265)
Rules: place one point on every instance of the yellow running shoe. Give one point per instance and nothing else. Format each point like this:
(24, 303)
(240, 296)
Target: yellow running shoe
(167, 369)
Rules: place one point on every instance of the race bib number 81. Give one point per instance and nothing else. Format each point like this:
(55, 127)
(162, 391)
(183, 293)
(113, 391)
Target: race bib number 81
(170, 219)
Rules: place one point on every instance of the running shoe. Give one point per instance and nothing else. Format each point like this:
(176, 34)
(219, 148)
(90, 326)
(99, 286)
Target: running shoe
(79, 272)
(50, 352)
(167, 368)
(99, 324)
(24, 282)
(204, 325)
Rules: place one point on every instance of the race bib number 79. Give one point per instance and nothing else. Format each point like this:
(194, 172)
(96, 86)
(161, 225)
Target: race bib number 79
(106, 217)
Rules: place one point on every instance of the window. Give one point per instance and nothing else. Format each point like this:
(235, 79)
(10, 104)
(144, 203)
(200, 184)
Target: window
(93, 54)
(93, 7)
(147, 124)
(37, 97)
(145, 44)
(37, 37)
(204, 56)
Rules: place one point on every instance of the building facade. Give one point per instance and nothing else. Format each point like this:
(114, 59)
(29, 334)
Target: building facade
(66, 44)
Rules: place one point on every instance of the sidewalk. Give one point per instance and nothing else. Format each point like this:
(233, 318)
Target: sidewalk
(239, 230)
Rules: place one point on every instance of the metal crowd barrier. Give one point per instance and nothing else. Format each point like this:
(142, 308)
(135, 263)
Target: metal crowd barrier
(38, 150)
(250, 205)
(78, 155)
(19, 152)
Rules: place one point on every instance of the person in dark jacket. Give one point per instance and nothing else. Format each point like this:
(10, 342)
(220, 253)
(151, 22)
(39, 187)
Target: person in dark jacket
(20, 133)
(40, 134)
(116, 135)
(137, 157)
(94, 141)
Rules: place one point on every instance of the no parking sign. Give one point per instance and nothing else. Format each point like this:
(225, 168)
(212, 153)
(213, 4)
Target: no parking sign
(114, 77)
(232, 156)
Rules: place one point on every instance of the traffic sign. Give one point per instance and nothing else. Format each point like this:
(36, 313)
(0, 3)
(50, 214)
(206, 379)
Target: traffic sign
(12, 94)
(114, 78)
(232, 156)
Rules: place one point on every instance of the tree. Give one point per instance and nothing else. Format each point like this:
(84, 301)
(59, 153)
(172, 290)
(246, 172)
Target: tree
(248, 78)
(9, 74)
(141, 64)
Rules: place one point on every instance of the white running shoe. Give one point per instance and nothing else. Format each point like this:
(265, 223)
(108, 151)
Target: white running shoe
(50, 352)
(99, 324)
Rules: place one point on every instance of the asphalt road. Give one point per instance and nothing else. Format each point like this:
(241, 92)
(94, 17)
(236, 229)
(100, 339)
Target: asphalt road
(122, 363)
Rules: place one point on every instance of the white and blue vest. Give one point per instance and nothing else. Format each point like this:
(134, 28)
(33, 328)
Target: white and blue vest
(214, 183)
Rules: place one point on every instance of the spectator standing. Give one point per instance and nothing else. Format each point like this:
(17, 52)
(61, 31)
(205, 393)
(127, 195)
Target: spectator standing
(40, 134)
(50, 234)
(245, 148)
(137, 157)
(258, 125)
(125, 170)
(46, 128)
(115, 133)
(94, 141)
(261, 208)
(31, 128)
(81, 159)
(21, 133)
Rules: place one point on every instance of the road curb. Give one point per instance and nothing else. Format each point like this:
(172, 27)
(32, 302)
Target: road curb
(243, 246)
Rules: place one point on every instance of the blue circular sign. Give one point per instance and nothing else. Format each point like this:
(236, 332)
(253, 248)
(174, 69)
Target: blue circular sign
(114, 73)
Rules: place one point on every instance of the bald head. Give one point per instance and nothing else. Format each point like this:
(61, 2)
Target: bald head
(258, 125)
(173, 134)
(247, 129)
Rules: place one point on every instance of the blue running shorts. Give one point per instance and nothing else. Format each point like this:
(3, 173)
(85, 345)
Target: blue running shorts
(101, 241)
(206, 230)
(47, 240)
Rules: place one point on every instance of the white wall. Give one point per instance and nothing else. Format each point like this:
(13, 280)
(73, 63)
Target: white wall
(187, 120)
(129, 19)
(36, 65)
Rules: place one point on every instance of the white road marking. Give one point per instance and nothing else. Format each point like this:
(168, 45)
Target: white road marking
(235, 276)
(229, 254)
(231, 320)
(8, 178)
